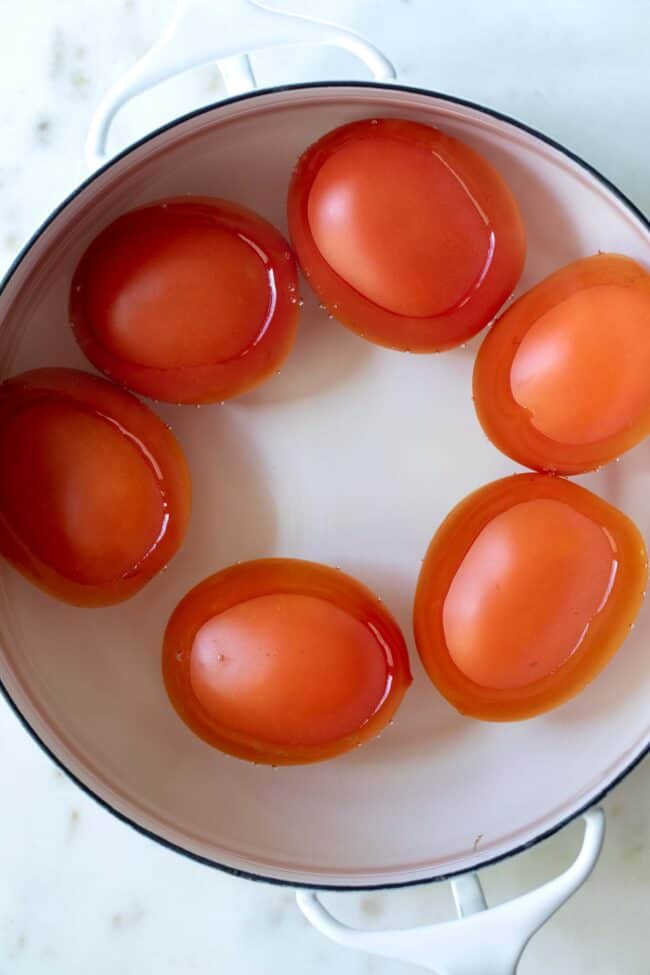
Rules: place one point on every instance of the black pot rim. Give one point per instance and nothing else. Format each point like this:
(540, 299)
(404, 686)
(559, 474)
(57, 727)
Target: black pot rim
(307, 86)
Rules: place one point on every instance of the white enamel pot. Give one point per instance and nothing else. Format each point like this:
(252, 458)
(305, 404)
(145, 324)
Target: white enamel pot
(351, 456)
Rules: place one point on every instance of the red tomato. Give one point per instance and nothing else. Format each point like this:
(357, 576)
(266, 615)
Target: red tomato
(95, 492)
(528, 588)
(189, 300)
(284, 662)
(408, 236)
(561, 380)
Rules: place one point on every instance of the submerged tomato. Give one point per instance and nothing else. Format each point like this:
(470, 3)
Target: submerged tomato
(408, 236)
(528, 589)
(189, 300)
(284, 662)
(561, 380)
(94, 493)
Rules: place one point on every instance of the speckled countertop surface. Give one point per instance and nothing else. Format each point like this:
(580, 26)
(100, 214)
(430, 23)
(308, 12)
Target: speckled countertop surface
(79, 891)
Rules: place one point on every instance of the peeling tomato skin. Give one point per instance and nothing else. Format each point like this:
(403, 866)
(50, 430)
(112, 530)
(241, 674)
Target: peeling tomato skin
(470, 310)
(163, 304)
(607, 630)
(55, 394)
(499, 391)
(219, 600)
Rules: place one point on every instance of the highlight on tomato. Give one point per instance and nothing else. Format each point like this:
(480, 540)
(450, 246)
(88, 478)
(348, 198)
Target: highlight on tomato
(283, 662)
(188, 300)
(95, 491)
(528, 589)
(407, 235)
(561, 380)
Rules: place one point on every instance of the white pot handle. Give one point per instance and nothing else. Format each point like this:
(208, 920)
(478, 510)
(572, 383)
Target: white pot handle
(483, 941)
(225, 31)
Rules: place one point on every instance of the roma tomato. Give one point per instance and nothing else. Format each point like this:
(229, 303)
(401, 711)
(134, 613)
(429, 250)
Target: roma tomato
(189, 300)
(94, 493)
(561, 380)
(408, 236)
(284, 662)
(528, 588)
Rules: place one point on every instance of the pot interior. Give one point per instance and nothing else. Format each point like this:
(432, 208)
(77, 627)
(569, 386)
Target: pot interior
(351, 456)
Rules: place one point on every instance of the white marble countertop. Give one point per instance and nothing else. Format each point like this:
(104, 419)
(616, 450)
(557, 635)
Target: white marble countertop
(79, 891)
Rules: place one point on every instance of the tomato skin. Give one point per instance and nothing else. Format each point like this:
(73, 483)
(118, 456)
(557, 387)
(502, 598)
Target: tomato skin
(607, 629)
(156, 267)
(68, 392)
(231, 588)
(408, 332)
(511, 426)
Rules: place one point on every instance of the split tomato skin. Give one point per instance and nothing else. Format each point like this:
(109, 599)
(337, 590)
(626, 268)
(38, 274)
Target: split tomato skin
(408, 237)
(95, 495)
(187, 300)
(560, 381)
(498, 598)
(284, 662)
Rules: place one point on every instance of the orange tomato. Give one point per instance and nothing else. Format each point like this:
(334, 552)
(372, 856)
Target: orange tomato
(95, 492)
(528, 588)
(188, 300)
(408, 236)
(284, 662)
(561, 380)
